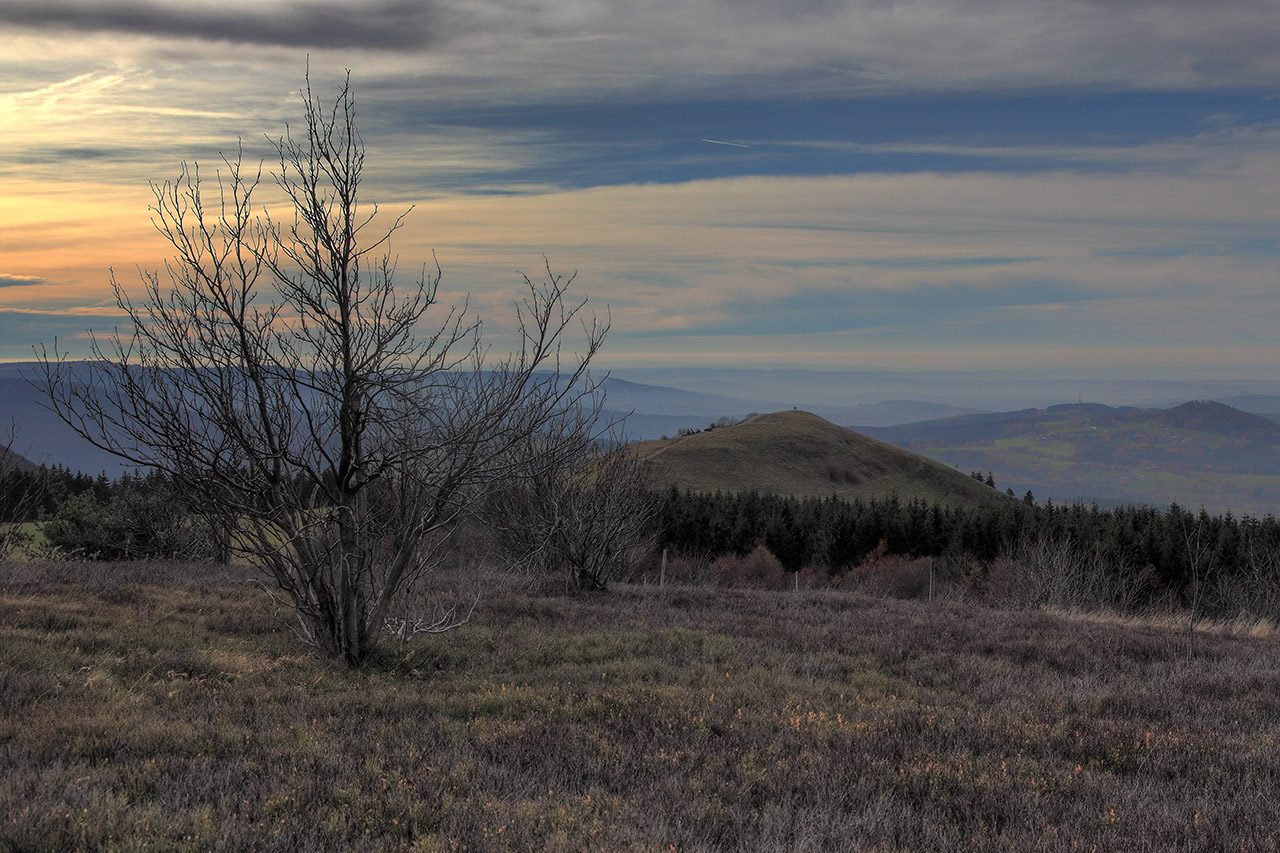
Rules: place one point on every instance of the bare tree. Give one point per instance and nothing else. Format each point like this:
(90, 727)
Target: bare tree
(1200, 546)
(282, 379)
(1048, 571)
(583, 520)
(1254, 589)
(21, 490)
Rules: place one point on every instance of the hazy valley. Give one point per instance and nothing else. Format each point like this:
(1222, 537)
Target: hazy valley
(1155, 450)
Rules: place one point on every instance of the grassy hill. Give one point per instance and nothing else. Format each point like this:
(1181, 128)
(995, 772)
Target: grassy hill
(798, 453)
(1198, 453)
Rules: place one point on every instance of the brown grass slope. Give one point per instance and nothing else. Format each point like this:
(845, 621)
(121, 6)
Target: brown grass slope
(798, 453)
(164, 708)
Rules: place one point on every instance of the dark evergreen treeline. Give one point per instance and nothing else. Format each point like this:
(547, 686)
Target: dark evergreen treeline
(141, 515)
(835, 535)
(38, 494)
(133, 516)
(34, 493)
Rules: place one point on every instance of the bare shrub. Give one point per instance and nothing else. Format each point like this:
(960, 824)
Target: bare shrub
(892, 575)
(1048, 572)
(682, 568)
(21, 489)
(810, 578)
(759, 569)
(1253, 590)
(584, 520)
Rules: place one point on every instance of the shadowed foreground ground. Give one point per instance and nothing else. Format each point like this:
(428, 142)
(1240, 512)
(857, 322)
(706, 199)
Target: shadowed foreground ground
(166, 708)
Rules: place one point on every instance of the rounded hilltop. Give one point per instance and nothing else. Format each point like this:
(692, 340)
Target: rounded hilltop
(799, 453)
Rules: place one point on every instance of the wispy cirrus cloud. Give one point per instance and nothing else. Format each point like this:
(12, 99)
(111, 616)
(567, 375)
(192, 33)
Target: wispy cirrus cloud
(864, 263)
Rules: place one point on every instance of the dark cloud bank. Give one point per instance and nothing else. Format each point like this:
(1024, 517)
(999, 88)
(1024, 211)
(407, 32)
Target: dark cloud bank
(390, 25)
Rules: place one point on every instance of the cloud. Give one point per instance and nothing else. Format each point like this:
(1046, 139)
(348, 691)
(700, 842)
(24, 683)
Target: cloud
(71, 156)
(663, 48)
(388, 25)
(840, 265)
(945, 173)
(833, 269)
(19, 280)
(21, 330)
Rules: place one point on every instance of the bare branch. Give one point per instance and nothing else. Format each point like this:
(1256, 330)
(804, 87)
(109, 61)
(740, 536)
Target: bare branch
(336, 423)
(21, 490)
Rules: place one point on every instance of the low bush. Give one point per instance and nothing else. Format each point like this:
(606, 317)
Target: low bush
(143, 521)
(759, 569)
(892, 575)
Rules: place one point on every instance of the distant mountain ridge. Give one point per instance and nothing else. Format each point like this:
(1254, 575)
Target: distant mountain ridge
(11, 460)
(1266, 405)
(998, 390)
(1209, 455)
(643, 411)
(1198, 453)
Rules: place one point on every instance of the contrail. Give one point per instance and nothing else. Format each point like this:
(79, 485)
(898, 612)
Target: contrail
(722, 142)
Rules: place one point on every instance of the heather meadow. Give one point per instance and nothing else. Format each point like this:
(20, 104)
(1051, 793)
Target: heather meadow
(166, 706)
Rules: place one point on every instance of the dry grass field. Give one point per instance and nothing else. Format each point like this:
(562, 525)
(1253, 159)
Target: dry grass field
(164, 707)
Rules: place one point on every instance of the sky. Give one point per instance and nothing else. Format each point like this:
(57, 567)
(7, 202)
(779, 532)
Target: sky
(940, 184)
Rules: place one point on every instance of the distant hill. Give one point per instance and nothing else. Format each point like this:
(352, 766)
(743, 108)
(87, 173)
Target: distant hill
(11, 460)
(646, 412)
(1267, 405)
(41, 436)
(1222, 419)
(1197, 453)
(799, 453)
(650, 411)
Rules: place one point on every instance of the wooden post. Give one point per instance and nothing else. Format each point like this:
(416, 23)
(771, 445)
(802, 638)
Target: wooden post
(662, 573)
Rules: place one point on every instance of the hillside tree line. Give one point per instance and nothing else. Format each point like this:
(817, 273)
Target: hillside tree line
(1152, 553)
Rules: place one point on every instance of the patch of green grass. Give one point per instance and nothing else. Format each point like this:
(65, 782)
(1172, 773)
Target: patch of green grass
(645, 719)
